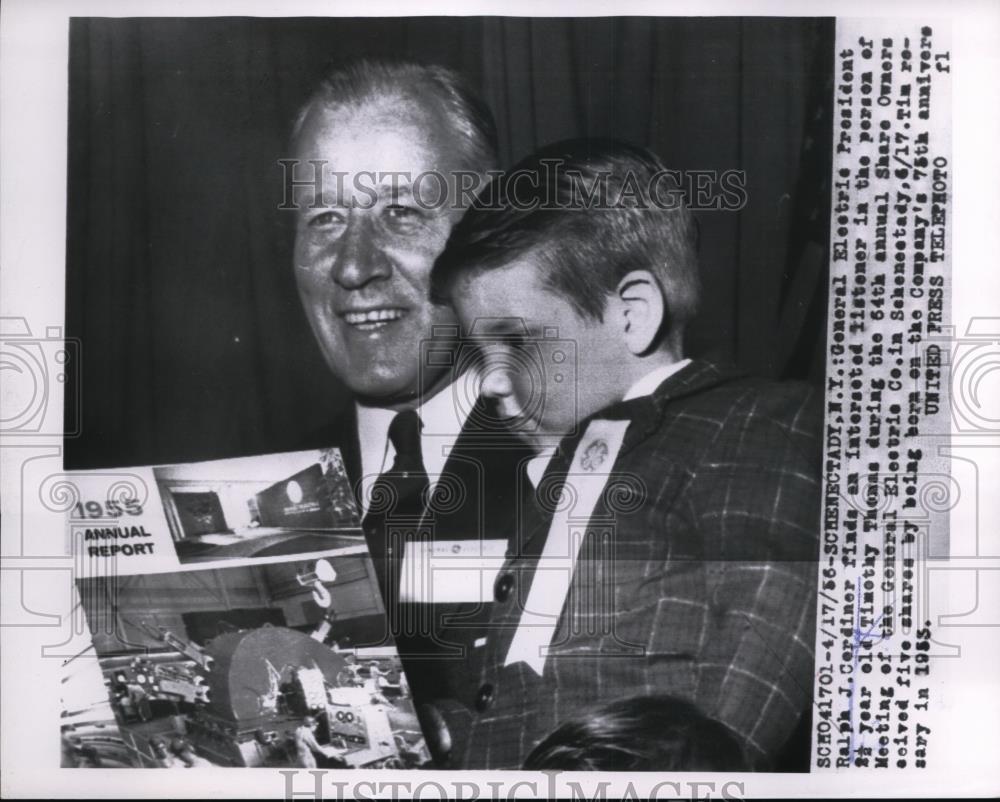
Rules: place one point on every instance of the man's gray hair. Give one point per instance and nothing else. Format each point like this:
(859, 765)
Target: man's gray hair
(364, 81)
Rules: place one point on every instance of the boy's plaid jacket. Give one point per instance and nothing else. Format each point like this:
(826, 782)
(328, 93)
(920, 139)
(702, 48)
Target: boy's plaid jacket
(696, 576)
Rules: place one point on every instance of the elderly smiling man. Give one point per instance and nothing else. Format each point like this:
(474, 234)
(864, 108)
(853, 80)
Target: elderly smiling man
(381, 153)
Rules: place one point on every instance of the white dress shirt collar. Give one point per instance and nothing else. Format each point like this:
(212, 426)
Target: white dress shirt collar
(647, 384)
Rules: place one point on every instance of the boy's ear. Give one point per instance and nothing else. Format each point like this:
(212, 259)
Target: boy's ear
(642, 310)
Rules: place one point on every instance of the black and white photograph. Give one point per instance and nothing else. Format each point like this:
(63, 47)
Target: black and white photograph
(568, 398)
(450, 249)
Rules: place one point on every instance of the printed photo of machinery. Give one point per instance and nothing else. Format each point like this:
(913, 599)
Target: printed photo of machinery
(281, 665)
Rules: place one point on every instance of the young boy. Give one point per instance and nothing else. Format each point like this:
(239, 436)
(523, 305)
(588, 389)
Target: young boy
(670, 545)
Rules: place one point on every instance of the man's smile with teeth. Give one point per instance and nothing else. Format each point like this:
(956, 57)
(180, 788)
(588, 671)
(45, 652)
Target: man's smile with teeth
(373, 318)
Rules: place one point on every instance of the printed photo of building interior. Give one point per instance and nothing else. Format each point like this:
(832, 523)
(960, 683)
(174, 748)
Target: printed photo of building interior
(260, 506)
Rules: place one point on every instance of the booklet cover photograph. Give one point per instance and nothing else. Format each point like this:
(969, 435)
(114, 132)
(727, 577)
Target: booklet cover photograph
(285, 664)
(259, 507)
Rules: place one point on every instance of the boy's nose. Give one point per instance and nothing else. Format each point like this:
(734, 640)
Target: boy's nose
(497, 383)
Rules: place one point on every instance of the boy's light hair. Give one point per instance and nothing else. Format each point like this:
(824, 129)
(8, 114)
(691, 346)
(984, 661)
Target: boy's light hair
(589, 211)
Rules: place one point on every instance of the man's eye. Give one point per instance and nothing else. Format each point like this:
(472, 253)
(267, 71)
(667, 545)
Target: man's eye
(325, 220)
(402, 214)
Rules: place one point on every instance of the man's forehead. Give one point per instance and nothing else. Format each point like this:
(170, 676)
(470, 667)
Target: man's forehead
(418, 126)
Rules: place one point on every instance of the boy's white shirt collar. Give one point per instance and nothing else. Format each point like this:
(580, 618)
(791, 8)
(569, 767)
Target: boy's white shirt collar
(644, 386)
(647, 384)
(443, 420)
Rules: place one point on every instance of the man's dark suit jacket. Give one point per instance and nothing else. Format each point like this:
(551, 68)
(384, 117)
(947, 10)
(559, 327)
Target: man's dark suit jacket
(484, 469)
(696, 576)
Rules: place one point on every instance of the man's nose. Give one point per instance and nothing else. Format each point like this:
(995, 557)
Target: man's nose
(359, 258)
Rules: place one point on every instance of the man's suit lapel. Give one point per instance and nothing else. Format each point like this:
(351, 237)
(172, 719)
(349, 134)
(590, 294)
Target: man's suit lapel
(486, 467)
(483, 467)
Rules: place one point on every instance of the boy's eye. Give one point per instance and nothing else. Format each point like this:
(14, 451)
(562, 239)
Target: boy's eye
(515, 342)
(510, 352)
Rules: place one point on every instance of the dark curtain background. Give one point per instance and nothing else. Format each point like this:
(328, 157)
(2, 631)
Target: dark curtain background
(179, 281)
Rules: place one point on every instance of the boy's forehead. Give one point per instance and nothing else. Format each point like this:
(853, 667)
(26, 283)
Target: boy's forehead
(513, 300)
(514, 283)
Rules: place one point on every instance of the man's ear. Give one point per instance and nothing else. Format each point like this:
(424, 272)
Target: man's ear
(642, 310)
